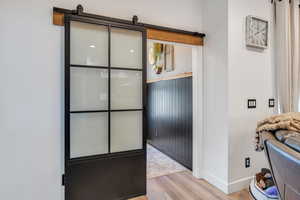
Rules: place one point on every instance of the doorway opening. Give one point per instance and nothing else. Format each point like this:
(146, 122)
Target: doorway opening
(170, 107)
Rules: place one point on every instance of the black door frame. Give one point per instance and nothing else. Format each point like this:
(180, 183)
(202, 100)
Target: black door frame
(109, 24)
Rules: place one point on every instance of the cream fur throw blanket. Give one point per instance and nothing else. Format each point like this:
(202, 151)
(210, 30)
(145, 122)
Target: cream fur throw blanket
(286, 121)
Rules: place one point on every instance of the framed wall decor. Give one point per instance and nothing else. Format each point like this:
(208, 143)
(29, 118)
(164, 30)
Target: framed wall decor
(257, 31)
(156, 57)
(161, 57)
(169, 57)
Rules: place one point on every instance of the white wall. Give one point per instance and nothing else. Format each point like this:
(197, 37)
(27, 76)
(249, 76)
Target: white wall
(31, 85)
(233, 74)
(215, 56)
(31, 101)
(250, 75)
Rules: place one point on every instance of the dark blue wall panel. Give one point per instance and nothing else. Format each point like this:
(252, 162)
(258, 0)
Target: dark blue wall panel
(170, 118)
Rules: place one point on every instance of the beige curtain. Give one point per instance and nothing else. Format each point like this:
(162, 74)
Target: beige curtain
(287, 54)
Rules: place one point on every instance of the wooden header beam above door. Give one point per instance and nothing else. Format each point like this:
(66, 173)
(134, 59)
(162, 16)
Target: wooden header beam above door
(168, 36)
(58, 18)
(154, 32)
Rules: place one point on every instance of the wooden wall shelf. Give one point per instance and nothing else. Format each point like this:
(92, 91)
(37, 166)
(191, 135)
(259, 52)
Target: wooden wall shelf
(182, 75)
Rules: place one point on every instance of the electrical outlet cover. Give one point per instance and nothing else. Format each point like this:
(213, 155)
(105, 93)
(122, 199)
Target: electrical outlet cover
(271, 103)
(247, 162)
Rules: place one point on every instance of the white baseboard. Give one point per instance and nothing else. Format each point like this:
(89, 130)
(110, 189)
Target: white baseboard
(216, 181)
(225, 187)
(239, 184)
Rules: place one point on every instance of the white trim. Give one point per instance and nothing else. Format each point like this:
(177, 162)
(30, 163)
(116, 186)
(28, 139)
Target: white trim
(239, 184)
(227, 188)
(216, 181)
(197, 69)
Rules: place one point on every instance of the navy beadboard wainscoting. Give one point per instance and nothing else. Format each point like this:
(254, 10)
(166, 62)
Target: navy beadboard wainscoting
(170, 118)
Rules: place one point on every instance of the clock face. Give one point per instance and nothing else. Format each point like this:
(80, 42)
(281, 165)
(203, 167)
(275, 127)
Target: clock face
(257, 32)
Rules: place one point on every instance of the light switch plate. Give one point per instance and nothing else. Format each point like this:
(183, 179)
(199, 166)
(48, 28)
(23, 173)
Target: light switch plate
(251, 103)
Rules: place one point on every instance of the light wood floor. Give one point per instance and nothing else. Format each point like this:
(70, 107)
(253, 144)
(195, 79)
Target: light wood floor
(183, 186)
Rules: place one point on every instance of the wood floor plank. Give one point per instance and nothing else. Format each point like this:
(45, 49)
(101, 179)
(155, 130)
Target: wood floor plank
(195, 185)
(201, 183)
(184, 191)
(242, 195)
(170, 191)
(155, 191)
(140, 198)
(183, 186)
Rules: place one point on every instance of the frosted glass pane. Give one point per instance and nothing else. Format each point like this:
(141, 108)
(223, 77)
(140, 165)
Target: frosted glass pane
(126, 131)
(89, 44)
(126, 48)
(88, 134)
(126, 89)
(89, 89)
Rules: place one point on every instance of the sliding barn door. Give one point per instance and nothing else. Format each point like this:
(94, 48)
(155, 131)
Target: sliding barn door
(105, 149)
